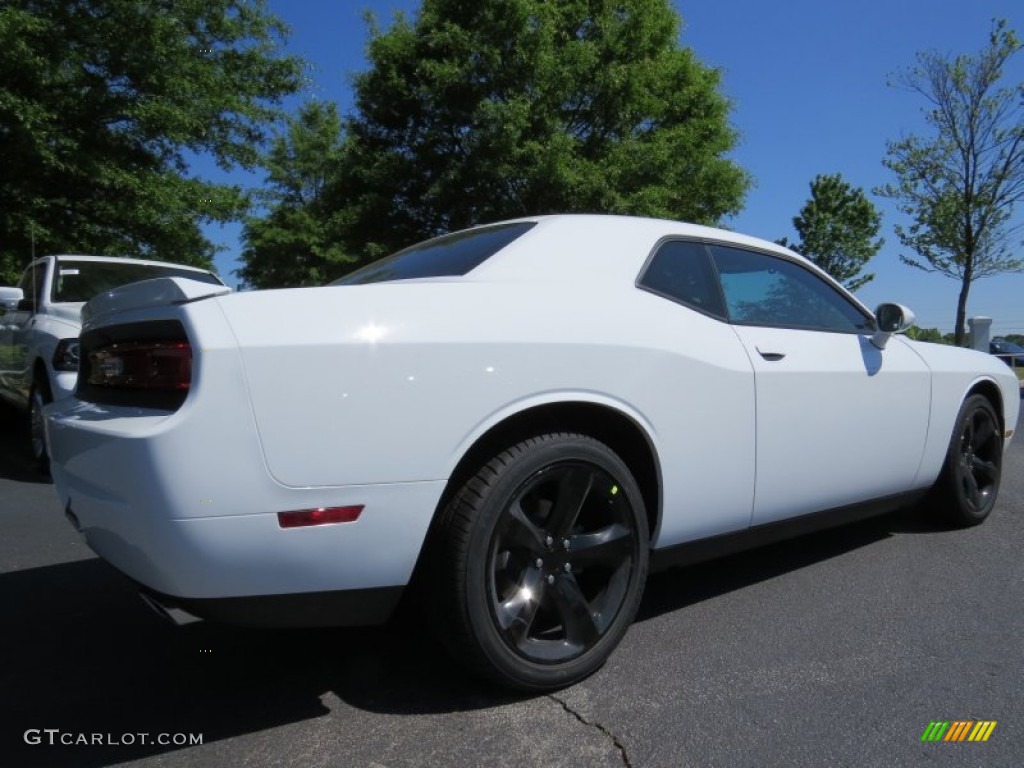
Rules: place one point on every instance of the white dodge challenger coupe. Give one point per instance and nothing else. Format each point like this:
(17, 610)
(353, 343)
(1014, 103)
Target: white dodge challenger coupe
(521, 418)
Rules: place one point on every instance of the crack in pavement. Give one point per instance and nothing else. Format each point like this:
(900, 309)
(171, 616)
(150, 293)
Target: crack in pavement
(611, 736)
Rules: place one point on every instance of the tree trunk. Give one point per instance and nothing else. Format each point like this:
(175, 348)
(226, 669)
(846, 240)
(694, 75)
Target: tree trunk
(960, 331)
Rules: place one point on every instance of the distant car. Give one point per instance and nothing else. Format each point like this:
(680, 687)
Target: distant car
(1012, 354)
(39, 325)
(524, 416)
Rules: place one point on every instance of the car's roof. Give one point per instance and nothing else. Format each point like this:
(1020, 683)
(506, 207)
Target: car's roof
(598, 248)
(118, 260)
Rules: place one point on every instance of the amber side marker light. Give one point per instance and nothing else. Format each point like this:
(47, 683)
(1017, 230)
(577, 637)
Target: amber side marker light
(321, 516)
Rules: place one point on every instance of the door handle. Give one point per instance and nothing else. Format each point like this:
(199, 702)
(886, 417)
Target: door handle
(771, 357)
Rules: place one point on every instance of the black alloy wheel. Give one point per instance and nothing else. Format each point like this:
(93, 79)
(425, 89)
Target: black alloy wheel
(560, 562)
(968, 487)
(543, 563)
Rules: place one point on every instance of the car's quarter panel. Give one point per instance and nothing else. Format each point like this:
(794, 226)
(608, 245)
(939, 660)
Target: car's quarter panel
(192, 511)
(839, 421)
(373, 384)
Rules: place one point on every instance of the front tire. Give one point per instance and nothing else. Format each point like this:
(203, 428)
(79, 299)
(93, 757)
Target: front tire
(541, 562)
(966, 490)
(39, 396)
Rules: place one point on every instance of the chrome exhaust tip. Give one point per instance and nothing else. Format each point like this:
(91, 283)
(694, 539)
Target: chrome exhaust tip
(171, 613)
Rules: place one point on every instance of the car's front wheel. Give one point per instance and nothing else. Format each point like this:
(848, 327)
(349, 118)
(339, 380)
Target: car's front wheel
(541, 562)
(966, 490)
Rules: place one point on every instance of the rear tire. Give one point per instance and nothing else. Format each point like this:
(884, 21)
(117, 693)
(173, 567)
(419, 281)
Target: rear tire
(966, 490)
(540, 562)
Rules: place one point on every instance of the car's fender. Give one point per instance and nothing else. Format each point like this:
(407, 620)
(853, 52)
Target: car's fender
(554, 398)
(955, 374)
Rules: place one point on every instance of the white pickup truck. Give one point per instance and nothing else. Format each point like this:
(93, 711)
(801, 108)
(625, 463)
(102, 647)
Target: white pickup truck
(40, 322)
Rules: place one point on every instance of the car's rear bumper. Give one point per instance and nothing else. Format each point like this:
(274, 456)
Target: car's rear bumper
(347, 607)
(191, 514)
(228, 556)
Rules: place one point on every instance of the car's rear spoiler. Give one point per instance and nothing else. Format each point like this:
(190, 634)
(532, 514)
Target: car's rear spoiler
(160, 291)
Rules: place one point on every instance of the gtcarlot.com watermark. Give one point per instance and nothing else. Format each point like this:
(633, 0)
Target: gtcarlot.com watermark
(55, 736)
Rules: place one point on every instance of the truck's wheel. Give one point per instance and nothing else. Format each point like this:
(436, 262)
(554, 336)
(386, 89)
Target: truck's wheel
(39, 396)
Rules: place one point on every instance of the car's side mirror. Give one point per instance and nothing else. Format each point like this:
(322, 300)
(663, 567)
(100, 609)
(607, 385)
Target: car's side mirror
(27, 305)
(890, 319)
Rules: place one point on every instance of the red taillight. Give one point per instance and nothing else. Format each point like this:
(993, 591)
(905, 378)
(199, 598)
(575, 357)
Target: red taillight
(164, 365)
(321, 516)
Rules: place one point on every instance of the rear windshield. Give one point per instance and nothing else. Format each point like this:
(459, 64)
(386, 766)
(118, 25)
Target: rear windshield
(445, 256)
(81, 280)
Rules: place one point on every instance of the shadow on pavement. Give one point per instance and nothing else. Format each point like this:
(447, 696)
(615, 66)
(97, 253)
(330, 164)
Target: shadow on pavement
(15, 463)
(85, 655)
(679, 587)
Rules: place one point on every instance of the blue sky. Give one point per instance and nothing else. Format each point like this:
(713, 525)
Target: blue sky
(807, 79)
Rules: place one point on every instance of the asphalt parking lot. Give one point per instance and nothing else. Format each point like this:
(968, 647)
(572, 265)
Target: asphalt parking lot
(837, 649)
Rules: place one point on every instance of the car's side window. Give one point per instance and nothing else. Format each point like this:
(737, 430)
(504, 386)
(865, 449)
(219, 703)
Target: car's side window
(681, 270)
(768, 290)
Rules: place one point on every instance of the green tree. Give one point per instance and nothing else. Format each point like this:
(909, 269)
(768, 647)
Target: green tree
(926, 334)
(101, 104)
(837, 227)
(479, 111)
(959, 186)
(292, 245)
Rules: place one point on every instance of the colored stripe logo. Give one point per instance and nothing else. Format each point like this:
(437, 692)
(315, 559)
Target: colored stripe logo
(958, 730)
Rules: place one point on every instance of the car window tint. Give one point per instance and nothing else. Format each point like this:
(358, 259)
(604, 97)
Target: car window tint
(767, 290)
(681, 270)
(445, 256)
(81, 280)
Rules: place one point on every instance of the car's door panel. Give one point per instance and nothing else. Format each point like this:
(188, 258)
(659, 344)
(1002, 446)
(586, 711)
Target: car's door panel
(838, 420)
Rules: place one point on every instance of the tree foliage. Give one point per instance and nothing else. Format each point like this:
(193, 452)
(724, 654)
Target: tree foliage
(959, 186)
(486, 110)
(838, 227)
(100, 100)
(293, 244)
(933, 335)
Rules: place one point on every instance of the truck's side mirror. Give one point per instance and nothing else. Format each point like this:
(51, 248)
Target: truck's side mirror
(890, 319)
(10, 298)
